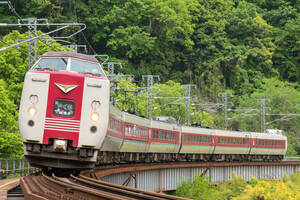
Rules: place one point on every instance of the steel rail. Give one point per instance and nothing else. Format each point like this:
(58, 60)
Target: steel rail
(126, 190)
(45, 187)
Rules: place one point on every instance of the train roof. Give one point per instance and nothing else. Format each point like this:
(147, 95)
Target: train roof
(71, 55)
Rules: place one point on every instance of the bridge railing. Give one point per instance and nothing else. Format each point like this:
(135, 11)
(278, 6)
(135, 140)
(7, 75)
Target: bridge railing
(291, 158)
(15, 167)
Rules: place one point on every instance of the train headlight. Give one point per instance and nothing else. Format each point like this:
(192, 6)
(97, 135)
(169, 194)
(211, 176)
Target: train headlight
(32, 110)
(95, 116)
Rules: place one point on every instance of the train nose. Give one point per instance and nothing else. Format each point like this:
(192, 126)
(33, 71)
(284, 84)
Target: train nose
(60, 145)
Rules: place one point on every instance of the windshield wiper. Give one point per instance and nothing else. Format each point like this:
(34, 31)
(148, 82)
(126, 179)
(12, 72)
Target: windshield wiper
(44, 69)
(90, 73)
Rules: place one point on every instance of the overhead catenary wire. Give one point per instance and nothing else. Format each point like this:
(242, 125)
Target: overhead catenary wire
(13, 10)
(1, 40)
(84, 37)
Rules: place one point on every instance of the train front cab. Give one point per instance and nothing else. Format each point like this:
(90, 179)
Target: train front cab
(63, 117)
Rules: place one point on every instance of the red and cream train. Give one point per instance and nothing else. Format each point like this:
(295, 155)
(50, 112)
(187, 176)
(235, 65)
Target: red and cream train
(66, 121)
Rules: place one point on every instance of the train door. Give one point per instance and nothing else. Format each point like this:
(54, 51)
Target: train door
(250, 143)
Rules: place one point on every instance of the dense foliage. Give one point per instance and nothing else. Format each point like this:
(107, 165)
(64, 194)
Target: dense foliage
(247, 47)
(238, 188)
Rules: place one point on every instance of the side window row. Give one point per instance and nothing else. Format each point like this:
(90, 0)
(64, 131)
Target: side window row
(136, 131)
(224, 140)
(270, 143)
(163, 135)
(196, 138)
(114, 124)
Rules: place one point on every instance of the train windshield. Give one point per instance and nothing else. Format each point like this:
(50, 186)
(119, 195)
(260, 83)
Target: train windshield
(51, 64)
(69, 64)
(85, 67)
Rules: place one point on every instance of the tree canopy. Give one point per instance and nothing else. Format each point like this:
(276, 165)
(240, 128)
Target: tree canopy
(249, 48)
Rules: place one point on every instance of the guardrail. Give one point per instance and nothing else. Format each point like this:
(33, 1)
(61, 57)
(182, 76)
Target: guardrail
(15, 167)
(290, 158)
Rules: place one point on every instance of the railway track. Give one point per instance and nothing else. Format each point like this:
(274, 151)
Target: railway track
(53, 187)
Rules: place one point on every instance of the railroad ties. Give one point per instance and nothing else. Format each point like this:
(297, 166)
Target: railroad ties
(53, 187)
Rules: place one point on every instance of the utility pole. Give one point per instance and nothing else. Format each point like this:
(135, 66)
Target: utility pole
(112, 77)
(224, 105)
(150, 79)
(263, 114)
(188, 102)
(32, 30)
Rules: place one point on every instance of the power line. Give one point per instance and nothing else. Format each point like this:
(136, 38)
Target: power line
(15, 48)
(13, 10)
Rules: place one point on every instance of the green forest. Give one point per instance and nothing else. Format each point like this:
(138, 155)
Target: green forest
(287, 188)
(249, 49)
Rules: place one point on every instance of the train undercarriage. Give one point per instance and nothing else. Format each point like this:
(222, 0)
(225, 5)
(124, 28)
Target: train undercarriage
(128, 157)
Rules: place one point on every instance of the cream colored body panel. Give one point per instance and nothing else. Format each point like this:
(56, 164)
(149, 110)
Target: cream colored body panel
(268, 151)
(232, 150)
(112, 143)
(198, 149)
(129, 143)
(160, 147)
(90, 94)
(34, 84)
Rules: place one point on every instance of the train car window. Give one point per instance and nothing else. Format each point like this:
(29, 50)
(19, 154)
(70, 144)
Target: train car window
(51, 64)
(219, 140)
(85, 67)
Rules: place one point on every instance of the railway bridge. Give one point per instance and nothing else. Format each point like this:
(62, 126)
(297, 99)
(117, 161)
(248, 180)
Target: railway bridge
(152, 177)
